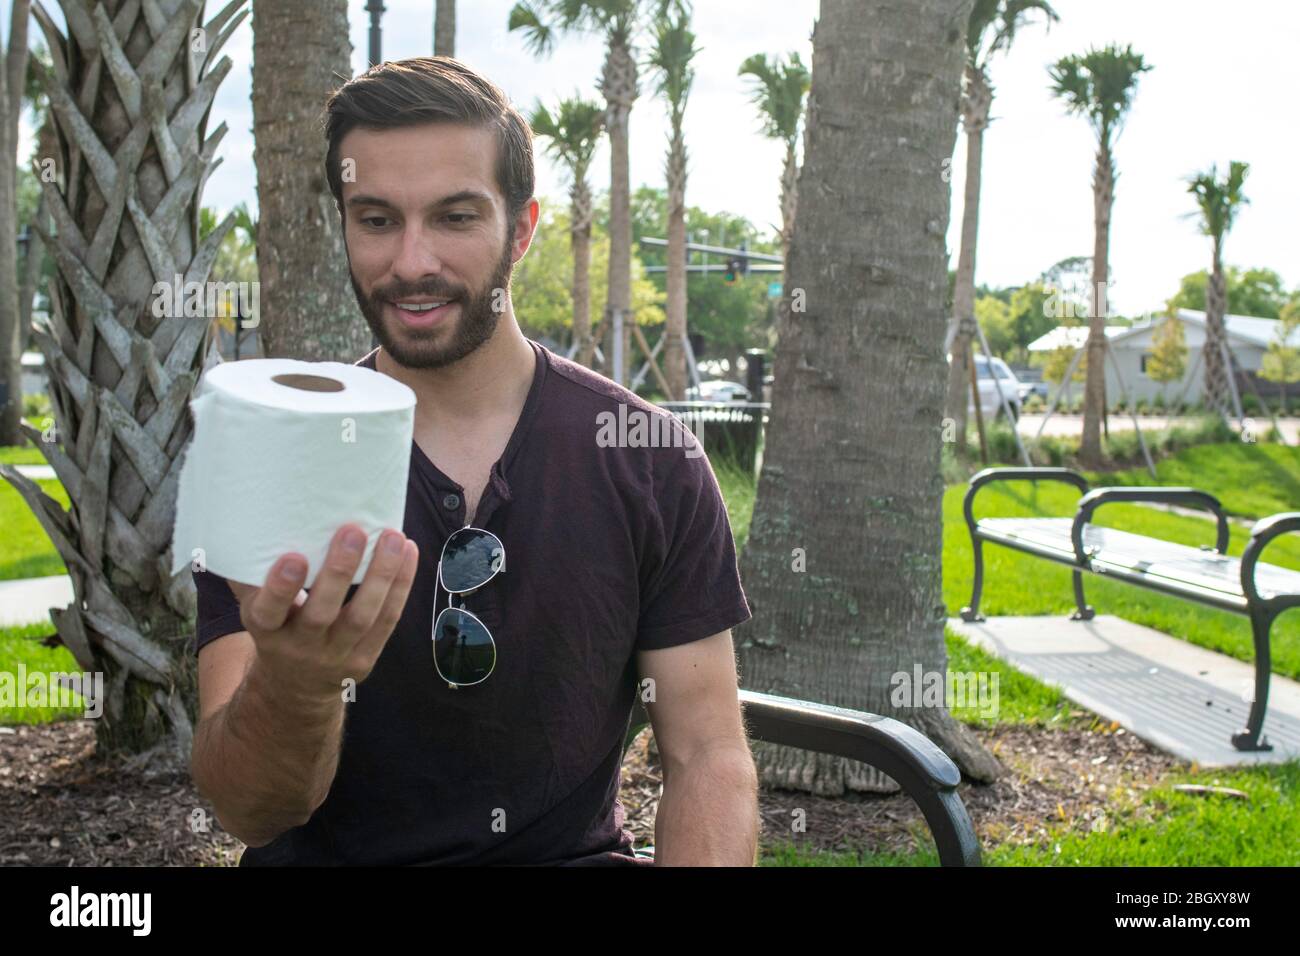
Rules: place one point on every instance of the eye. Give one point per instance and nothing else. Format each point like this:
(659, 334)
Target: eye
(375, 222)
(460, 218)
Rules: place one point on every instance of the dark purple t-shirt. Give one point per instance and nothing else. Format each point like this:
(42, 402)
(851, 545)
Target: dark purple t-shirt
(610, 550)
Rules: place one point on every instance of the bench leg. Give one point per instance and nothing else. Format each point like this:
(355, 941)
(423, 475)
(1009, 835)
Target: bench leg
(1261, 622)
(971, 613)
(1085, 611)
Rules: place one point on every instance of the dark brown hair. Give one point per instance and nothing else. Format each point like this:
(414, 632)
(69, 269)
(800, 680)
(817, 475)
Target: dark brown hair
(431, 89)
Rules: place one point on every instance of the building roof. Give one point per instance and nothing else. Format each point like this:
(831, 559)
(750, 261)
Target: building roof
(1241, 329)
(1070, 336)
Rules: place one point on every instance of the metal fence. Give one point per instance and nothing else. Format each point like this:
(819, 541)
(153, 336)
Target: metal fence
(726, 430)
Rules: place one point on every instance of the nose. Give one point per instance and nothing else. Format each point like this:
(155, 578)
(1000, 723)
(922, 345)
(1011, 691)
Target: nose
(417, 258)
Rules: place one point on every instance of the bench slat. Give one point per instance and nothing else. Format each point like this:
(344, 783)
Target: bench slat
(1177, 564)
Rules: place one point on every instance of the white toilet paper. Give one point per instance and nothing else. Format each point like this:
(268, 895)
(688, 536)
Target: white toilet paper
(284, 453)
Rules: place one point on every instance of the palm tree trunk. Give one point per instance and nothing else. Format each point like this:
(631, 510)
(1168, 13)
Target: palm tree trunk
(444, 28)
(789, 197)
(977, 100)
(1094, 401)
(843, 561)
(675, 325)
(13, 72)
(1216, 306)
(305, 291)
(618, 85)
(580, 242)
(130, 100)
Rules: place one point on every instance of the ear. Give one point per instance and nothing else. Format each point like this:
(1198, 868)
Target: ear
(525, 226)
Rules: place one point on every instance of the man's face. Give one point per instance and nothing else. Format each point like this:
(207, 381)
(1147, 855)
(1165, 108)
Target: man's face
(430, 250)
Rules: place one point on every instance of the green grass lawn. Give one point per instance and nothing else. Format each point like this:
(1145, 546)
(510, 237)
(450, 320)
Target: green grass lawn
(25, 549)
(1253, 480)
(22, 645)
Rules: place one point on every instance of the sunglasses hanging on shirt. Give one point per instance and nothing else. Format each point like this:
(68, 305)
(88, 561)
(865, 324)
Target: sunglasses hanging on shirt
(464, 652)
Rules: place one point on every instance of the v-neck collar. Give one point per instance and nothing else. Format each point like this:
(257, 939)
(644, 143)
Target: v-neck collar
(497, 475)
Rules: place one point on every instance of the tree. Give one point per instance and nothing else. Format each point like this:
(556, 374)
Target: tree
(778, 91)
(1281, 362)
(306, 292)
(992, 27)
(1218, 201)
(619, 22)
(572, 133)
(444, 28)
(1099, 85)
(130, 96)
(1168, 360)
(13, 73)
(843, 562)
(670, 60)
(1257, 292)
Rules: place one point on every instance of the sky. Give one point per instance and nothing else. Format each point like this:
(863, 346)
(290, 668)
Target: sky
(1222, 86)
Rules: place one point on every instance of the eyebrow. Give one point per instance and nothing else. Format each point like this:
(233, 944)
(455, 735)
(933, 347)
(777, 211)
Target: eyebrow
(465, 195)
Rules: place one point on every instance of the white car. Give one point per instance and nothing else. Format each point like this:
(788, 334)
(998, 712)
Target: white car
(718, 391)
(990, 405)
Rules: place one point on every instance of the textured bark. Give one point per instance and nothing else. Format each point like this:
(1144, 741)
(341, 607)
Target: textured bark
(1094, 390)
(976, 102)
(444, 28)
(46, 145)
(129, 93)
(1217, 393)
(851, 466)
(618, 85)
(674, 354)
(580, 242)
(301, 52)
(13, 70)
(789, 197)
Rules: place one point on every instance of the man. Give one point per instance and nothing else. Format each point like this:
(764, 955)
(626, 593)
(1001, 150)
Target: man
(327, 732)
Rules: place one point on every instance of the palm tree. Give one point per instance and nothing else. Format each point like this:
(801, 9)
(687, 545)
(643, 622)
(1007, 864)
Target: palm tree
(13, 74)
(573, 131)
(444, 28)
(992, 27)
(851, 492)
(306, 289)
(778, 92)
(1098, 85)
(619, 22)
(1219, 200)
(670, 59)
(130, 94)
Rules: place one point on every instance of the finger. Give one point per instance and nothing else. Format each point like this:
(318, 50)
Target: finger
(391, 611)
(266, 608)
(331, 585)
(360, 613)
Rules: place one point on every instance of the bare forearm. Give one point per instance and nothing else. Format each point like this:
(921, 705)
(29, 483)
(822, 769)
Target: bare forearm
(267, 759)
(708, 814)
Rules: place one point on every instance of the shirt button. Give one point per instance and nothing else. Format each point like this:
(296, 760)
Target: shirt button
(451, 502)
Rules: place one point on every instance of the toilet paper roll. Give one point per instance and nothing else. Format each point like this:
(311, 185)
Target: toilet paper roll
(284, 453)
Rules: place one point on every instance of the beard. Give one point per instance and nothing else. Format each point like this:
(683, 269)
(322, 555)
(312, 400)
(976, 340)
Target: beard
(438, 346)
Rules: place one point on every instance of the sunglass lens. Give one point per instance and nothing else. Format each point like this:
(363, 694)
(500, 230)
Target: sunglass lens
(462, 647)
(469, 559)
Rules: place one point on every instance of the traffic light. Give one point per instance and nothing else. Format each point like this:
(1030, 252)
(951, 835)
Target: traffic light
(735, 266)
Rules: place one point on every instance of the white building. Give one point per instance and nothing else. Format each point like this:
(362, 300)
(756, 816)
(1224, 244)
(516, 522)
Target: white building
(1131, 349)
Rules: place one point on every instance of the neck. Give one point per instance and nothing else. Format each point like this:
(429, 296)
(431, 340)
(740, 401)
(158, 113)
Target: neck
(494, 374)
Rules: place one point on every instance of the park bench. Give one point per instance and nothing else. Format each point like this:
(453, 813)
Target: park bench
(1243, 585)
(921, 769)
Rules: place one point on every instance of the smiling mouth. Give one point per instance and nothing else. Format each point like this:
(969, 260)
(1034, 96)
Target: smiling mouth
(418, 307)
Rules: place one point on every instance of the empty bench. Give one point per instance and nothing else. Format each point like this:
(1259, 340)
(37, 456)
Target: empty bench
(1244, 585)
(923, 771)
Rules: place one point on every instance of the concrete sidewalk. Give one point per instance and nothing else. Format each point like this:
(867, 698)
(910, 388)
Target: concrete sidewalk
(28, 600)
(1182, 698)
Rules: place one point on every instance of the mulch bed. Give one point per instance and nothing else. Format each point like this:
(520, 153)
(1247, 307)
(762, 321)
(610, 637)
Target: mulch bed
(62, 805)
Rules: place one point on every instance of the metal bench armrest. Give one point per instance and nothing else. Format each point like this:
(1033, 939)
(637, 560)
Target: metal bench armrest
(922, 770)
(1189, 497)
(1264, 532)
(990, 475)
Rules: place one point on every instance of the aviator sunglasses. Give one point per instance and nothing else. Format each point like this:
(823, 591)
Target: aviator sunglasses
(463, 650)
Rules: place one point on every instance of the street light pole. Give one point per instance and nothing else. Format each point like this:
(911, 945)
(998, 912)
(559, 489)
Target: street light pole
(376, 10)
